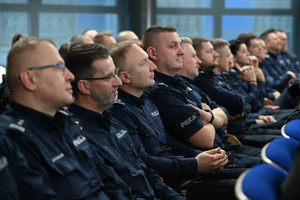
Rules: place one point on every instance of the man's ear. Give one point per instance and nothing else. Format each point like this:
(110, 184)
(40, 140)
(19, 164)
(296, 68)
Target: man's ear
(124, 77)
(29, 80)
(152, 53)
(83, 86)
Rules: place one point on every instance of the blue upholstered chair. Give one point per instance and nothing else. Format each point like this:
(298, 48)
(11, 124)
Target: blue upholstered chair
(291, 129)
(280, 152)
(262, 182)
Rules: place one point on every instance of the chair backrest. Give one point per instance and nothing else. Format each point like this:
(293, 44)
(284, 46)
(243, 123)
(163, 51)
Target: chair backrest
(262, 182)
(291, 129)
(280, 152)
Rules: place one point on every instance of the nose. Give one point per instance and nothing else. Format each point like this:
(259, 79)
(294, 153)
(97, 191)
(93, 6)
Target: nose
(116, 81)
(198, 61)
(152, 66)
(180, 51)
(215, 53)
(69, 75)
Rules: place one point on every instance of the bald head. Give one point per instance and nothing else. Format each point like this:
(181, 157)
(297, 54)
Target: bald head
(126, 35)
(91, 33)
(21, 57)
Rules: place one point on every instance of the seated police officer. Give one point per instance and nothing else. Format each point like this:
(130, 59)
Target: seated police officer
(250, 128)
(138, 113)
(172, 95)
(39, 85)
(95, 88)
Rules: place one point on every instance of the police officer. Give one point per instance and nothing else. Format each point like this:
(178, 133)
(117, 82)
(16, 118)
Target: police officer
(95, 88)
(39, 85)
(172, 95)
(278, 76)
(178, 162)
(251, 128)
(285, 99)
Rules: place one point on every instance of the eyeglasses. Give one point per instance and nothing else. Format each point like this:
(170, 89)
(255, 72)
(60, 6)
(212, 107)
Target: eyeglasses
(108, 77)
(62, 67)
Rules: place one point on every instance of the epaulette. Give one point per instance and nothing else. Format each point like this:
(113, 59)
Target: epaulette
(18, 125)
(162, 84)
(221, 83)
(119, 103)
(63, 112)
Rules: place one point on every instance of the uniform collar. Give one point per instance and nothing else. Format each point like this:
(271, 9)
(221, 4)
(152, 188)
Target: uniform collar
(274, 56)
(173, 81)
(38, 118)
(131, 99)
(184, 78)
(209, 73)
(89, 115)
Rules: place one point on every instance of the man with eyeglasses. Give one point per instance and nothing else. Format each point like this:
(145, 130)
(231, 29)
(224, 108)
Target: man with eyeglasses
(39, 85)
(95, 88)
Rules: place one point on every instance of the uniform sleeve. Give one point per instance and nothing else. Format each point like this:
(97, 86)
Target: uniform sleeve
(180, 148)
(165, 166)
(206, 99)
(33, 182)
(252, 94)
(231, 100)
(276, 83)
(114, 186)
(161, 190)
(178, 118)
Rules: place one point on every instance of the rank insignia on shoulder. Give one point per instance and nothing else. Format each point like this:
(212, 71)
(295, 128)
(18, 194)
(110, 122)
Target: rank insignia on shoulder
(188, 89)
(119, 101)
(220, 83)
(19, 125)
(162, 84)
(63, 112)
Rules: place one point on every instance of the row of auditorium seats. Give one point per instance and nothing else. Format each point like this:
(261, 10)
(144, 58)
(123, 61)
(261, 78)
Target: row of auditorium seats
(264, 181)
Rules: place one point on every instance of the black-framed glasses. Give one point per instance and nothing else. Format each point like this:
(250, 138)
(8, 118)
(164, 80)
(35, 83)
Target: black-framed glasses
(62, 67)
(108, 77)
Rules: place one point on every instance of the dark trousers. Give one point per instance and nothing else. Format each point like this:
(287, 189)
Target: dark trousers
(216, 185)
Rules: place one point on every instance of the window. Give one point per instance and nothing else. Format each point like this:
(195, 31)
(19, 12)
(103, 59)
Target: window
(228, 18)
(56, 19)
(259, 4)
(189, 25)
(11, 23)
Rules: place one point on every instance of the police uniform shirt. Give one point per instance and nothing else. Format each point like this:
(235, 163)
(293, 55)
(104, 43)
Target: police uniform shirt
(218, 90)
(111, 139)
(252, 93)
(286, 60)
(171, 95)
(54, 150)
(292, 60)
(9, 188)
(142, 119)
(276, 77)
(203, 96)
